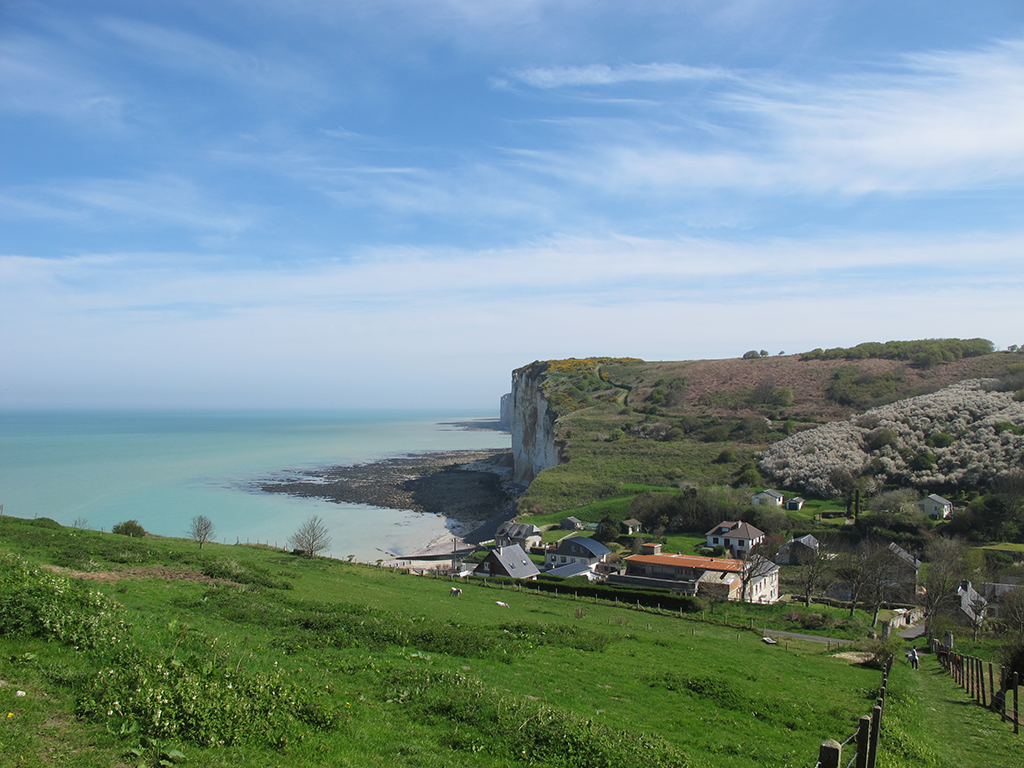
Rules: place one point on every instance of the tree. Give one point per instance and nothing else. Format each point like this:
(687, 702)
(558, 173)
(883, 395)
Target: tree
(1011, 610)
(311, 538)
(947, 566)
(200, 530)
(607, 530)
(129, 528)
(816, 569)
(760, 563)
(868, 571)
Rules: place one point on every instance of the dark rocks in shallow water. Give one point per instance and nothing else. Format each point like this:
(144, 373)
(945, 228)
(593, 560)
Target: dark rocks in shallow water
(466, 485)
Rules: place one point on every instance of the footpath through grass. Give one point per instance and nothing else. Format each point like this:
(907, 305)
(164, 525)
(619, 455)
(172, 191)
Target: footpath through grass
(930, 722)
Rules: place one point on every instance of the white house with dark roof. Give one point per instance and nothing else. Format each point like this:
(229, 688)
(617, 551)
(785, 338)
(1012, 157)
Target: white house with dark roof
(936, 507)
(576, 549)
(738, 538)
(523, 534)
(767, 498)
(509, 561)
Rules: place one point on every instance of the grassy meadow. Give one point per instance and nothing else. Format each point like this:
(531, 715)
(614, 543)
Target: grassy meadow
(279, 660)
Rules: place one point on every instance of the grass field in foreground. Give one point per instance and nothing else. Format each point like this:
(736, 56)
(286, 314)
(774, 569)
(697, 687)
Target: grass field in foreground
(931, 723)
(296, 662)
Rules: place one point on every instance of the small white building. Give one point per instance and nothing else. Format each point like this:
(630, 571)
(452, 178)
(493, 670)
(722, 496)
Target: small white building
(936, 507)
(768, 498)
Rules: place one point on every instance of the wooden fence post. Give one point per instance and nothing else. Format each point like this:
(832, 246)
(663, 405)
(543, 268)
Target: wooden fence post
(981, 679)
(863, 741)
(991, 687)
(1016, 720)
(830, 755)
(876, 726)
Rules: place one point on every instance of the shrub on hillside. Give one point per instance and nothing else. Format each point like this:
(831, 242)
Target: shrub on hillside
(129, 528)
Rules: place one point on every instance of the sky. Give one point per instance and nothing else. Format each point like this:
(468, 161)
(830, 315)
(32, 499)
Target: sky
(393, 204)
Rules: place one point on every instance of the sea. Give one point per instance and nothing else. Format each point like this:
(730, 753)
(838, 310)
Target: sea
(98, 468)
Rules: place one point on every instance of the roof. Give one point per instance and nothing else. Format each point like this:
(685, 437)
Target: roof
(518, 530)
(939, 500)
(807, 541)
(770, 492)
(515, 561)
(573, 519)
(596, 548)
(569, 570)
(903, 555)
(631, 521)
(735, 530)
(691, 561)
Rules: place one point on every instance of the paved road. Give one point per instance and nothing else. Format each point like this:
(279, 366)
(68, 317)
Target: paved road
(913, 632)
(811, 638)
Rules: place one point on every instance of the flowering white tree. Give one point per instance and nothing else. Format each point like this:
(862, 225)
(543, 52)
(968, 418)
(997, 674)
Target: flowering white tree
(962, 435)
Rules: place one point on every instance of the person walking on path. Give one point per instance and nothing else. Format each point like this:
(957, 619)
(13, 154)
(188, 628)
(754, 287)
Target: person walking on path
(913, 658)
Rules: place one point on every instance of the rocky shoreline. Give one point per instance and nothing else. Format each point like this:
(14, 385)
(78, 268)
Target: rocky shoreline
(472, 488)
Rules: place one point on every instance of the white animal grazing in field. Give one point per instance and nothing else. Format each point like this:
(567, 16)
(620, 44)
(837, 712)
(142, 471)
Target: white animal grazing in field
(456, 592)
(503, 605)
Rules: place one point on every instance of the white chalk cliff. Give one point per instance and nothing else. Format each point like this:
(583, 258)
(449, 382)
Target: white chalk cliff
(532, 425)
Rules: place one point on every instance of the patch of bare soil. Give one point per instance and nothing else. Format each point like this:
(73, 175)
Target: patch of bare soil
(137, 572)
(857, 657)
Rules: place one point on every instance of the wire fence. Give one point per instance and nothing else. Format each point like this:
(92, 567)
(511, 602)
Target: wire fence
(864, 740)
(991, 685)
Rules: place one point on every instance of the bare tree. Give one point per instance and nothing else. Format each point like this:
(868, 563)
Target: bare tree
(312, 537)
(200, 530)
(760, 563)
(947, 566)
(816, 569)
(870, 573)
(1011, 609)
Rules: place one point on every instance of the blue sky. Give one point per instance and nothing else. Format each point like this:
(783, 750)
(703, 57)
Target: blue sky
(263, 203)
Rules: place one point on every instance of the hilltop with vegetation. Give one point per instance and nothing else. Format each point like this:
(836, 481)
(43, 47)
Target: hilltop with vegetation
(627, 428)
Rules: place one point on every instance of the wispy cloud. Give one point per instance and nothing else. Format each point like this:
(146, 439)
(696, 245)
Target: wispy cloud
(42, 77)
(602, 74)
(162, 198)
(943, 121)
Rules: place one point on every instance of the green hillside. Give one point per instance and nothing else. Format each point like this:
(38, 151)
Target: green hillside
(705, 423)
(132, 651)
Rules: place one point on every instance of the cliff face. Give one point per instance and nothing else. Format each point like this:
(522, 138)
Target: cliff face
(532, 427)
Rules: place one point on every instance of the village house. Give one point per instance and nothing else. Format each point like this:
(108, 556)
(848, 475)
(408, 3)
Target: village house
(711, 577)
(631, 526)
(576, 549)
(510, 561)
(902, 576)
(965, 606)
(737, 538)
(798, 550)
(761, 578)
(768, 498)
(521, 534)
(936, 507)
(795, 504)
(571, 524)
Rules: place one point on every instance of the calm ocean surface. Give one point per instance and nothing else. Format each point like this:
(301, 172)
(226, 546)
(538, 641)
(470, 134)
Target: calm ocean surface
(162, 468)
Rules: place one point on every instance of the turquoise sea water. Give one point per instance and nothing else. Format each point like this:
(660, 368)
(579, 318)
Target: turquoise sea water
(162, 468)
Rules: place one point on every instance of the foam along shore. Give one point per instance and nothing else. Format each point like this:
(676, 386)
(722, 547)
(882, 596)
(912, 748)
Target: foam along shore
(470, 488)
